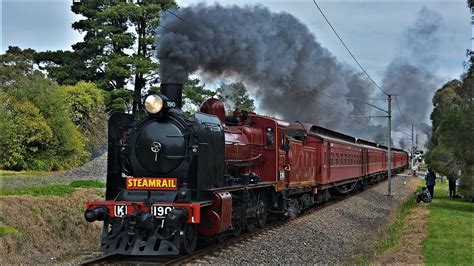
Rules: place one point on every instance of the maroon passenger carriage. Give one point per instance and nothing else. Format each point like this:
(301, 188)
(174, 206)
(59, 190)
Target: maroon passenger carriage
(174, 179)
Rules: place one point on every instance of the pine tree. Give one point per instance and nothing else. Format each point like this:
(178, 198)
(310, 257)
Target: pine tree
(117, 49)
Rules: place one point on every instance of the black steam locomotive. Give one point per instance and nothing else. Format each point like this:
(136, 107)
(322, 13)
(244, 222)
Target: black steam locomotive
(186, 157)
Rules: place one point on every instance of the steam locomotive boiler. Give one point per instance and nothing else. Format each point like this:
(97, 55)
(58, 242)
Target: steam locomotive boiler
(173, 179)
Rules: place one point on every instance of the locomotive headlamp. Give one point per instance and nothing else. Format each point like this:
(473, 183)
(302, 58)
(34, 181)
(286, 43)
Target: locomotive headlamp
(153, 104)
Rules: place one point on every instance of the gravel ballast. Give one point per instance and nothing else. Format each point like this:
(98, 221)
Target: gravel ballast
(95, 169)
(330, 235)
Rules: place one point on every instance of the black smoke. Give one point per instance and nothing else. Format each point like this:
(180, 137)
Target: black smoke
(289, 71)
(412, 73)
(273, 53)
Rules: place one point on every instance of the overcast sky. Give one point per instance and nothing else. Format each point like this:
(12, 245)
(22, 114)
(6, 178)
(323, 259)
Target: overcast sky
(372, 29)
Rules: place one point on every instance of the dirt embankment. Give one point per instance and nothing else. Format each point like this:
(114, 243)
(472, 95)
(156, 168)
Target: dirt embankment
(50, 228)
(408, 249)
(366, 252)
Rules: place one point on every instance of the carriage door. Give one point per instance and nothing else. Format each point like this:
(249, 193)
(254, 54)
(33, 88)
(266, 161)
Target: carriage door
(364, 161)
(329, 160)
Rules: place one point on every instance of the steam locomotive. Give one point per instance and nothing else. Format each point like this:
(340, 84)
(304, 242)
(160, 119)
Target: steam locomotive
(173, 179)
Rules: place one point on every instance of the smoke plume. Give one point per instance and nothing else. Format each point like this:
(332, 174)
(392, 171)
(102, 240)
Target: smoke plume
(412, 74)
(274, 54)
(289, 71)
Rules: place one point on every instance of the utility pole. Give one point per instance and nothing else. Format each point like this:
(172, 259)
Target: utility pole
(389, 156)
(412, 146)
(389, 116)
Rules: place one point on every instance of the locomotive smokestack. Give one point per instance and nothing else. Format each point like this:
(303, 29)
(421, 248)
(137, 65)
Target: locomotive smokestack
(174, 92)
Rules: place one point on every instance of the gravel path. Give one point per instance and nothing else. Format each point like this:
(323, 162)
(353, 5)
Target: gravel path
(95, 169)
(327, 236)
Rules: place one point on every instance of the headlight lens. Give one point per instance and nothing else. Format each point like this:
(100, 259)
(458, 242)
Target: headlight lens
(153, 104)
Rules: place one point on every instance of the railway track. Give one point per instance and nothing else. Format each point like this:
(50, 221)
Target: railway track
(207, 250)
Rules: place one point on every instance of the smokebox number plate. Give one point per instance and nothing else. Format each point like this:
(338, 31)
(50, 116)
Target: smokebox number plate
(160, 211)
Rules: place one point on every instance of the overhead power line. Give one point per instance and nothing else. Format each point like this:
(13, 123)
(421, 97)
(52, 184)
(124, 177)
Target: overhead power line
(401, 114)
(348, 50)
(329, 107)
(345, 101)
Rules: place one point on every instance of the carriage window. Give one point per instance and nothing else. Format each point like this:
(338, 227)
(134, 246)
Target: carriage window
(270, 136)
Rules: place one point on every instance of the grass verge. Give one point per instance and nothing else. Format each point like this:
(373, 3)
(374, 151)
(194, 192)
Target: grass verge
(52, 190)
(450, 230)
(397, 225)
(48, 229)
(6, 173)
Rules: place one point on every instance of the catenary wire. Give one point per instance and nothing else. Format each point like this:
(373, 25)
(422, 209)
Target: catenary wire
(348, 50)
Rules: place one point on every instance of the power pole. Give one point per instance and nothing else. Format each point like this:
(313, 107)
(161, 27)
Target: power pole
(389, 116)
(389, 156)
(412, 146)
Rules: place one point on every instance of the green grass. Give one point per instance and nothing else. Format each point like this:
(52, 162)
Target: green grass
(423, 166)
(450, 239)
(52, 190)
(6, 173)
(87, 183)
(24, 179)
(5, 230)
(393, 231)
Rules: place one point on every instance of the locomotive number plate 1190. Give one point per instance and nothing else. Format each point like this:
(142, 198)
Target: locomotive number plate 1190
(160, 211)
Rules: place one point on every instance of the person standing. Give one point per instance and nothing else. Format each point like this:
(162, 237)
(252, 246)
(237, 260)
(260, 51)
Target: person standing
(452, 186)
(430, 179)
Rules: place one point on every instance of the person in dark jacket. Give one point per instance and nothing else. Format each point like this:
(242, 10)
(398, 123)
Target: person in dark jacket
(430, 179)
(452, 186)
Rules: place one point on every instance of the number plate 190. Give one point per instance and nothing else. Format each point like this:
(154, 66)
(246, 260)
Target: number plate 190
(160, 211)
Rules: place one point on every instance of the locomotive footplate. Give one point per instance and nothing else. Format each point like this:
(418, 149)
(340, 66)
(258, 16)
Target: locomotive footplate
(133, 228)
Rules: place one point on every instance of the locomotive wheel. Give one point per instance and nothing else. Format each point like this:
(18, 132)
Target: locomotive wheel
(188, 239)
(261, 210)
(237, 221)
(251, 224)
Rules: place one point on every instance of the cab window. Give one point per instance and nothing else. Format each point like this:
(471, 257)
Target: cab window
(270, 135)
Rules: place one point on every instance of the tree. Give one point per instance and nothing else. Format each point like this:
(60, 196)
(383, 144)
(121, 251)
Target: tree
(235, 97)
(63, 150)
(194, 94)
(16, 64)
(25, 134)
(36, 130)
(117, 48)
(453, 132)
(85, 102)
(444, 98)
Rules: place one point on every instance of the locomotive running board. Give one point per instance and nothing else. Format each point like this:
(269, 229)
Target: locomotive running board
(240, 187)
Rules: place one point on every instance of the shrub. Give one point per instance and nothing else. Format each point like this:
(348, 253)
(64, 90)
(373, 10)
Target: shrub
(40, 112)
(25, 135)
(85, 102)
